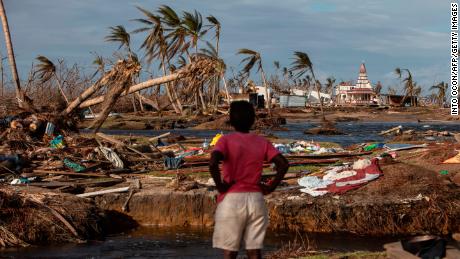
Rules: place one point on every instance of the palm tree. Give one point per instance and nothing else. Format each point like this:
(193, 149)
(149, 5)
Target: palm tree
(20, 96)
(417, 90)
(175, 33)
(215, 24)
(212, 53)
(391, 91)
(100, 65)
(408, 85)
(254, 58)
(330, 81)
(193, 24)
(302, 64)
(119, 34)
(155, 46)
(442, 89)
(378, 88)
(47, 70)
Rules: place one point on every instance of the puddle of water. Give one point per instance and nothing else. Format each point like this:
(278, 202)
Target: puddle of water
(164, 242)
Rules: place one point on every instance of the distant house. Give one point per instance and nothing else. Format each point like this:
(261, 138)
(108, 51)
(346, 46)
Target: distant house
(302, 98)
(396, 100)
(361, 93)
(313, 97)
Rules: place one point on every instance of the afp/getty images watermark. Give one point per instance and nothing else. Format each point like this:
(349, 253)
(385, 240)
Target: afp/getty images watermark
(454, 58)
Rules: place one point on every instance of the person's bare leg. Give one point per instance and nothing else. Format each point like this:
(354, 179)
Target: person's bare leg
(254, 254)
(230, 254)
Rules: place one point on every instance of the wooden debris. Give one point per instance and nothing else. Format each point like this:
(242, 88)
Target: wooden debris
(160, 136)
(67, 173)
(91, 194)
(397, 129)
(120, 144)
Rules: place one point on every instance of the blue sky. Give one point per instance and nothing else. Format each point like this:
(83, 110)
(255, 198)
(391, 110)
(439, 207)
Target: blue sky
(337, 34)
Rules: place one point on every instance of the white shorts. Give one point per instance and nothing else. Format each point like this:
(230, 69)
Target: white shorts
(240, 217)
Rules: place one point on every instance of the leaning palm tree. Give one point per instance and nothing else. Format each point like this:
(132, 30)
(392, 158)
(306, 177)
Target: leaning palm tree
(155, 45)
(46, 71)
(99, 62)
(442, 89)
(301, 65)
(193, 24)
(119, 34)
(22, 99)
(254, 58)
(175, 33)
(408, 84)
(214, 23)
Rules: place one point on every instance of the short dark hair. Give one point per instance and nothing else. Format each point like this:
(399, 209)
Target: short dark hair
(242, 115)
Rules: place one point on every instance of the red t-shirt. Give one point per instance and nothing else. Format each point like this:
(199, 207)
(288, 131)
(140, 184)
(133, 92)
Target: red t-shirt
(244, 156)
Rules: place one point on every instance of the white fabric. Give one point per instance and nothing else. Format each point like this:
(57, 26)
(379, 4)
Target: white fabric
(361, 164)
(311, 183)
(367, 178)
(334, 175)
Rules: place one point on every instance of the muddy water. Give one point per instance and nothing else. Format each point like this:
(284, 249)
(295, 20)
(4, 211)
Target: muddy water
(354, 132)
(161, 242)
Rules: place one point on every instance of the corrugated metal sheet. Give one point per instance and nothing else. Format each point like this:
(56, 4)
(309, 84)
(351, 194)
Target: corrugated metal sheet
(292, 101)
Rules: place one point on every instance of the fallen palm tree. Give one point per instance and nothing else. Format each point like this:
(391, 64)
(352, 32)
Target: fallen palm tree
(117, 80)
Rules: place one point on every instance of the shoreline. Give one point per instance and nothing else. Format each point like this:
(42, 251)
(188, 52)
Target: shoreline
(151, 121)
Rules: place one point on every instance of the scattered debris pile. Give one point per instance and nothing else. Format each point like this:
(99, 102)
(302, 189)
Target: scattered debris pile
(35, 216)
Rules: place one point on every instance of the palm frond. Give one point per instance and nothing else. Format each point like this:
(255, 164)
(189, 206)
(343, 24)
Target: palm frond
(247, 52)
(301, 64)
(119, 34)
(398, 72)
(45, 68)
(169, 16)
(213, 20)
(210, 50)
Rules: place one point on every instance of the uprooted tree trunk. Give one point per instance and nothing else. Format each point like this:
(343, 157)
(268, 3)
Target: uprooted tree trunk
(194, 74)
(119, 79)
(123, 73)
(132, 89)
(83, 102)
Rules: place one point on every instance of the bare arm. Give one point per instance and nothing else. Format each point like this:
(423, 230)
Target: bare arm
(281, 166)
(216, 158)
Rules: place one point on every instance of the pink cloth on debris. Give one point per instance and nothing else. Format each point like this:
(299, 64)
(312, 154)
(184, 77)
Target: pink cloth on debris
(373, 170)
